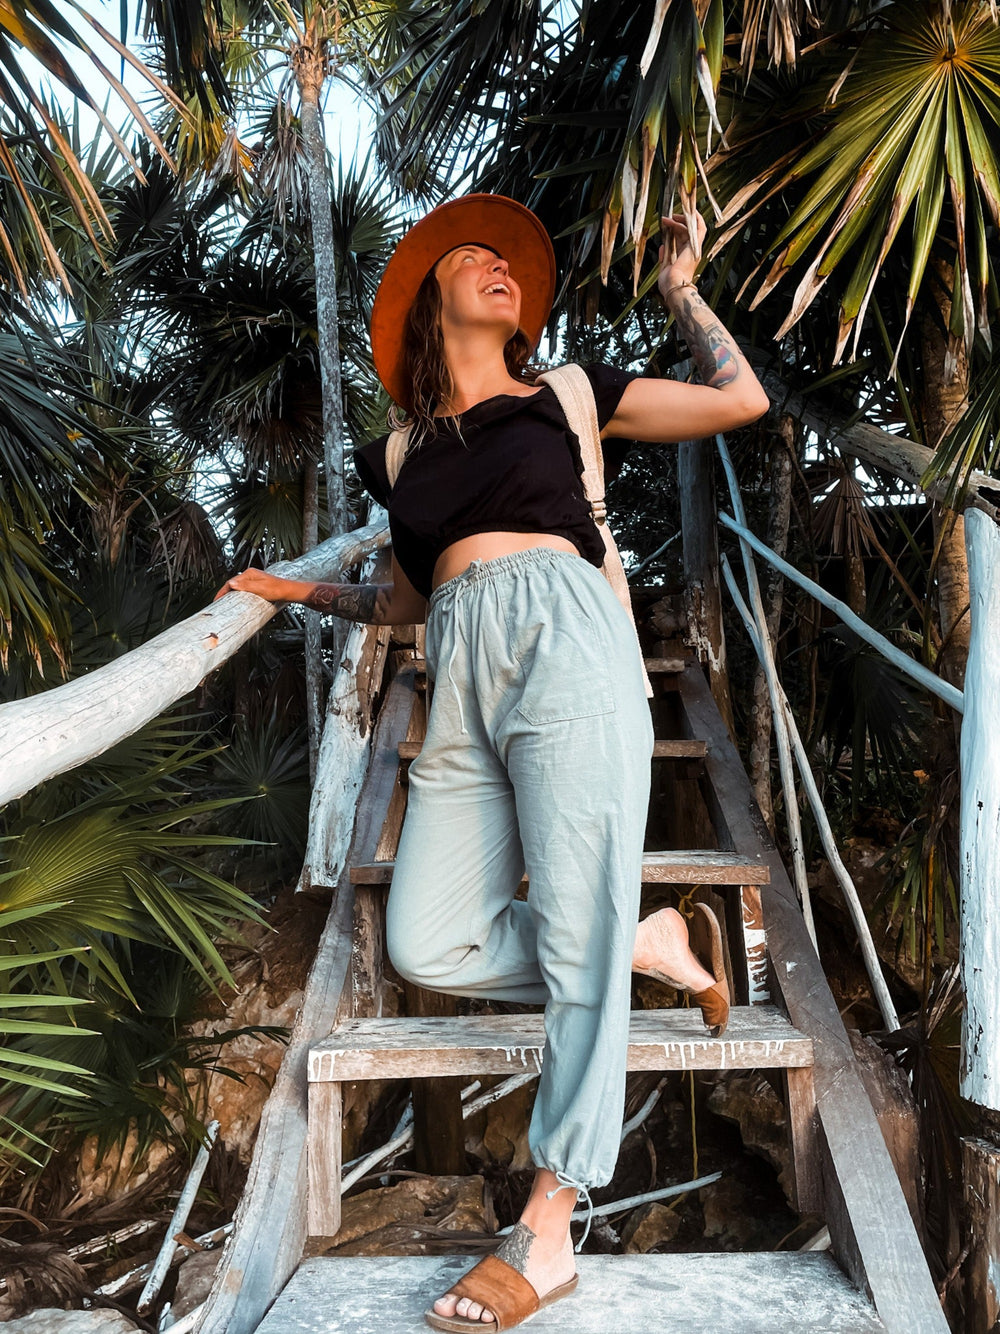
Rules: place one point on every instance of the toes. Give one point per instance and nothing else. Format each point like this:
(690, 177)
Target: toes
(447, 1305)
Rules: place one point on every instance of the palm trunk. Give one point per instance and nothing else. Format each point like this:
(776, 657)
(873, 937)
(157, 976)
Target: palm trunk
(309, 61)
(945, 398)
(312, 620)
(774, 593)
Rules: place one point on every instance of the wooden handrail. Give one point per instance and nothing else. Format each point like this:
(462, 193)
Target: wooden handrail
(49, 733)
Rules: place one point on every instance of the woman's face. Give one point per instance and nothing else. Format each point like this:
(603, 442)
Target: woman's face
(477, 291)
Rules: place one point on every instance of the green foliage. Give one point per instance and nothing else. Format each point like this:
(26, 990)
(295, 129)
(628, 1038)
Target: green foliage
(265, 772)
(144, 1071)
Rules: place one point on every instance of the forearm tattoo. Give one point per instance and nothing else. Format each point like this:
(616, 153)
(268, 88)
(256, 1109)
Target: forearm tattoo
(515, 1246)
(712, 346)
(354, 602)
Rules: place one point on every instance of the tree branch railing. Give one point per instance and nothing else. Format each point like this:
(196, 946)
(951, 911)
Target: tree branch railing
(47, 734)
(905, 459)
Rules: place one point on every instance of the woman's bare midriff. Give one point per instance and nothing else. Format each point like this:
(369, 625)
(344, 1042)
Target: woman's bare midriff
(457, 558)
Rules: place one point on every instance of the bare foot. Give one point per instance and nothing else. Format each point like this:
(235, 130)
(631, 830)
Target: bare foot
(538, 1246)
(661, 947)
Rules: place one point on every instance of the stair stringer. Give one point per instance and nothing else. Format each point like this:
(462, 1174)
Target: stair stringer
(872, 1233)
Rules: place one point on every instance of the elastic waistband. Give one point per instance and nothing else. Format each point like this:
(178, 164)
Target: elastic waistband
(480, 571)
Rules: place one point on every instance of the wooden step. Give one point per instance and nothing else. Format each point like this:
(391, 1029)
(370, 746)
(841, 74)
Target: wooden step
(758, 1037)
(692, 866)
(673, 749)
(759, 1293)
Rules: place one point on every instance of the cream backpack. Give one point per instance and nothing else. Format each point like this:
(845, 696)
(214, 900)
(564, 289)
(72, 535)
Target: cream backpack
(576, 398)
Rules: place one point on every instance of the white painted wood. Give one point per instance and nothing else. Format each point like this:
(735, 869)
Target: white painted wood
(343, 756)
(49, 733)
(757, 1037)
(754, 945)
(922, 675)
(980, 820)
(642, 1294)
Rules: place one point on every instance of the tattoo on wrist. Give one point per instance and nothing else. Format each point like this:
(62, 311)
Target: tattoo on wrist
(354, 602)
(515, 1246)
(712, 346)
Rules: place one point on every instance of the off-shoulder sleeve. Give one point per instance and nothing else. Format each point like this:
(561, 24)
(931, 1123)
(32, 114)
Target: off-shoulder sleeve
(369, 461)
(609, 383)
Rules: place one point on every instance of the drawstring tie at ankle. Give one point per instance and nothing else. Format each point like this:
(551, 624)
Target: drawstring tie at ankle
(583, 1197)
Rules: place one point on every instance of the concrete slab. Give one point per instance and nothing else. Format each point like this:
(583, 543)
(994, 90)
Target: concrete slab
(761, 1293)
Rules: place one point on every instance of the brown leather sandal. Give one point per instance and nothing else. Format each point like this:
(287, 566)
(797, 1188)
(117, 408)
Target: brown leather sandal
(499, 1288)
(705, 939)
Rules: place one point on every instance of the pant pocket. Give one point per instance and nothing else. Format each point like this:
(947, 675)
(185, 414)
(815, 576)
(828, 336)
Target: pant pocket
(565, 675)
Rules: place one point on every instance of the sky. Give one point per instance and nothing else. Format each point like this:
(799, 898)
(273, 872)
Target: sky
(348, 122)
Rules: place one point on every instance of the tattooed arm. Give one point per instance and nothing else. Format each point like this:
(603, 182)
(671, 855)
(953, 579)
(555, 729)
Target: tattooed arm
(730, 394)
(397, 603)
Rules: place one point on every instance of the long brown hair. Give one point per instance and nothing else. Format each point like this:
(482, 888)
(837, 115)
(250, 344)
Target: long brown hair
(423, 350)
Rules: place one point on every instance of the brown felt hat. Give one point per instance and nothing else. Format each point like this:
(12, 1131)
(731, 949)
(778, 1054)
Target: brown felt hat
(491, 220)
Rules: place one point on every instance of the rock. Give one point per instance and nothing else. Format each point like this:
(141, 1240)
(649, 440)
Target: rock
(72, 1322)
(500, 1132)
(648, 1226)
(411, 1218)
(728, 1216)
(892, 1098)
(119, 1170)
(750, 1101)
(194, 1279)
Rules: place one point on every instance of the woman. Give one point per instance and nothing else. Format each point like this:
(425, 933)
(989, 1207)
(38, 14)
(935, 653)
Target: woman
(539, 738)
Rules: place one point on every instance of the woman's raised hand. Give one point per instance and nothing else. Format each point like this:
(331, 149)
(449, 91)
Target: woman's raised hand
(264, 585)
(678, 258)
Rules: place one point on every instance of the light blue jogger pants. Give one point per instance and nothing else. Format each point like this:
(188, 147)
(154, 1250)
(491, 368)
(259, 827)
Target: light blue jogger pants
(537, 759)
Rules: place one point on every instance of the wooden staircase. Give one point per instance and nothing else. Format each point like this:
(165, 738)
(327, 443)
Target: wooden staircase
(785, 1019)
(365, 1046)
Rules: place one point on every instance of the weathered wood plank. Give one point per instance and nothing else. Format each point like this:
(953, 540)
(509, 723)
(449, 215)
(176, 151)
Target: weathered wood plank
(763, 1293)
(343, 756)
(665, 666)
(757, 1037)
(325, 1154)
(980, 820)
(670, 749)
(981, 1182)
(873, 1235)
(689, 867)
(800, 1100)
(272, 1218)
(700, 541)
(49, 733)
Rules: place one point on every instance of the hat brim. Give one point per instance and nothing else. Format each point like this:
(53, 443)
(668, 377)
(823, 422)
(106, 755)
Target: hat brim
(492, 220)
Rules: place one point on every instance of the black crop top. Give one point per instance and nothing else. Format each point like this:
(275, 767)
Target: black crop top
(515, 469)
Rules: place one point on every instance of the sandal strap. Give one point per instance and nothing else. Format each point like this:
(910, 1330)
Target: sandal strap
(501, 1289)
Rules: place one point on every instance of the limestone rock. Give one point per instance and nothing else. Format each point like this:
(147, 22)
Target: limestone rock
(412, 1217)
(118, 1171)
(650, 1225)
(71, 1322)
(749, 1100)
(500, 1132)
(728, 1217)
(194, 1279)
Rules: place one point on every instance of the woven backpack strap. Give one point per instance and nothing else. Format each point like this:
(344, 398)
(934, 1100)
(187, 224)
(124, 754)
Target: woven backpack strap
(573, 389)
(395, 452)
